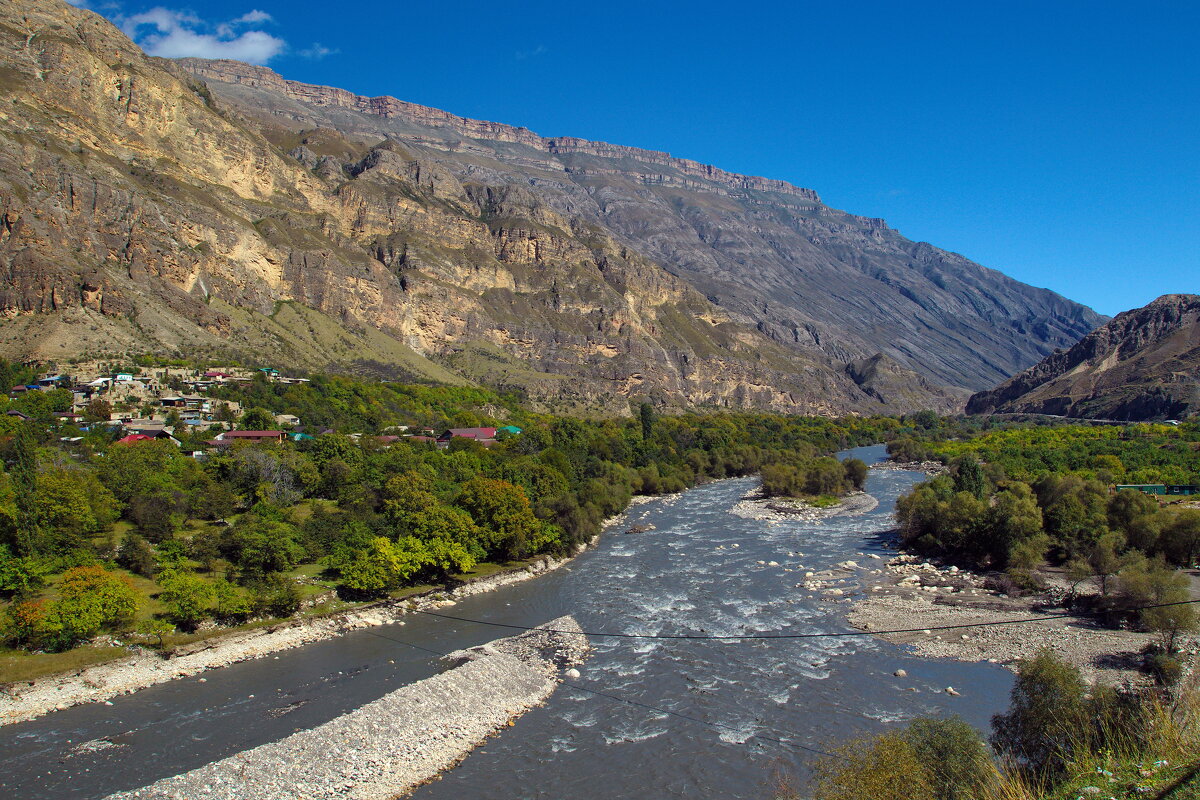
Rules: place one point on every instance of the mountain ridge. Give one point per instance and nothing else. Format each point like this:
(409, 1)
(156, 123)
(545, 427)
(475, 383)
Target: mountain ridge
(1141, 365)
(147, 210)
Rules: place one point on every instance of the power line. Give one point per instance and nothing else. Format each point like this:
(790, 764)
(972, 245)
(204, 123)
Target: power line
(816, 635)
(626, 701)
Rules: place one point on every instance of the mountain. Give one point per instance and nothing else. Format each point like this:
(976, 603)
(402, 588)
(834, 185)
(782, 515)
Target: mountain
(214, 208)
(1142, 365)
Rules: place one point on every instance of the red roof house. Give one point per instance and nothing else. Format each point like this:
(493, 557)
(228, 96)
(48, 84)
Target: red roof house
(478, 434)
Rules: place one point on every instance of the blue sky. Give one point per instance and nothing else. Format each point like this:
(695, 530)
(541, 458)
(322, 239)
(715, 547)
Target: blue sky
(1054, 140)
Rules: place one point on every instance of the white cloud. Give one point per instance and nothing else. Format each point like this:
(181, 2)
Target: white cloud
(177, 34)
(318, 51)
(523, 55)
(253, 18)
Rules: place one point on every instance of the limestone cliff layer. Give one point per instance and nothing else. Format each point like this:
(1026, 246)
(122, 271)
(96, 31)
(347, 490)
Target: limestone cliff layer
(211, 207)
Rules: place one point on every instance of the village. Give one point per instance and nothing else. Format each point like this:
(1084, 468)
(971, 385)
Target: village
(174, 403)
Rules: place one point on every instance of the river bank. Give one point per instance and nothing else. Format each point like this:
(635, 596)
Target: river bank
(144, 668)
(908, 591)
(394, 744)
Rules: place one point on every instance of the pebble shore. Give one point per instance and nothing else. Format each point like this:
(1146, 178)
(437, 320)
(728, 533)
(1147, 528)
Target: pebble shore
(908, 592)
(392, 745)
(774, 510)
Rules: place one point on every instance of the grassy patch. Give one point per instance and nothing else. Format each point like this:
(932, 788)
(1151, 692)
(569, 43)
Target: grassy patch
(21, 665)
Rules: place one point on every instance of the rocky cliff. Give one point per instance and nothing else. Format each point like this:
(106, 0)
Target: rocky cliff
(1142, 365)
(213, 207)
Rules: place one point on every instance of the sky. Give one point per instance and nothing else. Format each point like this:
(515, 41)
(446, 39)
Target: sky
(1055, 141)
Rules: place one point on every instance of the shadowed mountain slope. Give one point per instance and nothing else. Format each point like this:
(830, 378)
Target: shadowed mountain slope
(1142, 365)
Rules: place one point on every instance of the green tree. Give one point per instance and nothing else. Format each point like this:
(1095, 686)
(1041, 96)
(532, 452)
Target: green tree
(91, 599)
(856, 472)
(136, 555)
(1046, 713)
(1012, 518)
(955, 761)
(1150, 582)
(19, 576)
(1180, 538)
(257, 419)
(646, 417)
(884, 767)
(503, 511)
(968, 476)
(187, 597)
(1105, 557)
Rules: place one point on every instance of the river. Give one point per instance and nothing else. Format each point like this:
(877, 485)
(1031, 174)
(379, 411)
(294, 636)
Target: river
(767, 700)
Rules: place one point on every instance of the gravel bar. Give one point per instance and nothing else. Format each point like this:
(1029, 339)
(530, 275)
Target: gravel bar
(392, 745)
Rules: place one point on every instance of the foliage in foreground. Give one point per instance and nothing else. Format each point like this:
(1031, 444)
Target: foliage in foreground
(1059, 740)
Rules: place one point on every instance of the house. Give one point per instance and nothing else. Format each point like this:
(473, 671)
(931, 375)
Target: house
(270, 372)
(478, 434)
(68, 417)
(134, 438)
(511, 430)
(229, 437)
(21, 415)
(287, 419)
(485, 436)
(424, 439)
(298, 436)
(1144, 488)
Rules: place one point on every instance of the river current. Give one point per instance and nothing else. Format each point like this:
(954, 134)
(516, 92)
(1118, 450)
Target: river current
(697, 571)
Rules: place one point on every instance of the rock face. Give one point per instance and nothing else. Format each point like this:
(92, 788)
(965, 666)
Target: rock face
(1142, 365)
(214, 208)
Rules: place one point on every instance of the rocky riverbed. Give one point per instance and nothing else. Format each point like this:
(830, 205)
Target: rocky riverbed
(908, 591)
(774, 510)
(392, 745)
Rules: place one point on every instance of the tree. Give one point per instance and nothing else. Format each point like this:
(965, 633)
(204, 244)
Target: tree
(257, 419)
(97, 410)
(1137, 516)
(91, 599)
(385, 565)
(856, 472)
(646, 417)
(1105, 557)
(503, 511)
(1012, 518)
(955, 762)
(136, 555)
(1180, 538)
(968, 476)
(258, 546)
(1045, 715)
(19, 576)
(187, 597)
(156, 628)
(884, 767)
(1150, 582)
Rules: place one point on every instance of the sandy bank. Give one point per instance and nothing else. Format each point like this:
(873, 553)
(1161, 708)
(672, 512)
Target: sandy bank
(392, 745)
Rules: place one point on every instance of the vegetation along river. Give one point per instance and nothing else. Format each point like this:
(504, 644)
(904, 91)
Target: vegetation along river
(684, 576)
